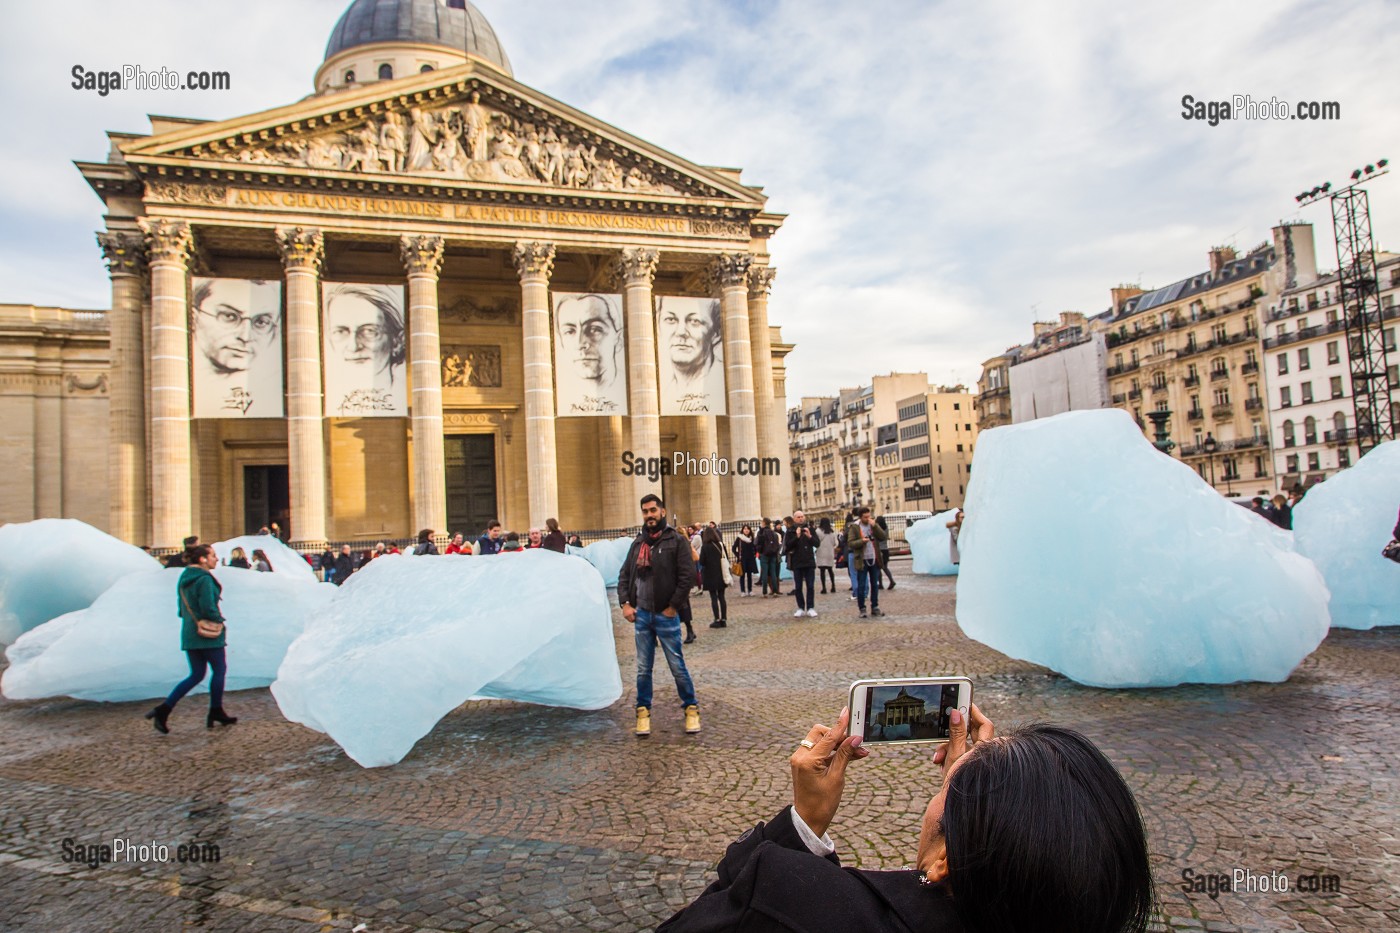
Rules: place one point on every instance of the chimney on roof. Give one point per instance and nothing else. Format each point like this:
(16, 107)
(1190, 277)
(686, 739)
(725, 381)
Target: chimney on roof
(1119, 296)
(1219, 256)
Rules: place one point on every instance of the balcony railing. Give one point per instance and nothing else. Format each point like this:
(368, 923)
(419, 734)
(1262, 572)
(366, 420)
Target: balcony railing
(1125, 368)
(1135, 394)
(1195, 414)
(1253, 404)
(1217, 375)
(1194, 380)
(1159, 389)
(1248, 368)
(1222, 411)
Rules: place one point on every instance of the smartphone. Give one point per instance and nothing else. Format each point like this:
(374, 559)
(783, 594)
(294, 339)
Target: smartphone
(907, 711)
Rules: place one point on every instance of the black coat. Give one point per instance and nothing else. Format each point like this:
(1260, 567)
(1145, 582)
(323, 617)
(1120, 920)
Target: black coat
(769, 542)
(800, 551)
(344, 566)
(712, 567)
(554, 541)
(770, 883)
(672, 569)
(746, 552)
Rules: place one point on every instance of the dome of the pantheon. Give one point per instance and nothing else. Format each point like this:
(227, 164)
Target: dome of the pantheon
(441, 33)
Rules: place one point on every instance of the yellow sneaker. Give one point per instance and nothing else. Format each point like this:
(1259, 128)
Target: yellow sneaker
(692, 720)
(644, 721)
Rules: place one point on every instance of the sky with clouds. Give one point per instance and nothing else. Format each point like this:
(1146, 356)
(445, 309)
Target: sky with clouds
(952, 172)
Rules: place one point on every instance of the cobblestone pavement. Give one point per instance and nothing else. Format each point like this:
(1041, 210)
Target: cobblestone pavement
(514, 817)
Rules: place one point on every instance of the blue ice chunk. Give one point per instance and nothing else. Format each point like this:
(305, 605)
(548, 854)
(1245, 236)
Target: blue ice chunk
(606, 557)
(408, 640)
(1342, 525)
(126, 645)
(281, 558)
(55, 566)
(1086, 550)
(929, 541)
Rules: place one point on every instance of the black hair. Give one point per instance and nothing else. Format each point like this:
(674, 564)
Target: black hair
(492, 524)
(425, 535)
(1044, 835)
(863, 510)
(191, 541)
(197, 552)
(653, 497)
(825, 525)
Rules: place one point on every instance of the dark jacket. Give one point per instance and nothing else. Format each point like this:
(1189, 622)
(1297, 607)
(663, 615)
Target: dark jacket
(884, 543)
(712, 567)
(800, 551)
(768, 542)
(490, 545)
(240, 562)
(855, 548)
(175, 560)
(201, 591)
(554, 541)
(770, 883)
(344, 566)
(1281, 515)
(672, 572)
(746, 552)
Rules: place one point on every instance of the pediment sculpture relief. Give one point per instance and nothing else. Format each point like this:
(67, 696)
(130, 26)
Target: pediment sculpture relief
(467, 141)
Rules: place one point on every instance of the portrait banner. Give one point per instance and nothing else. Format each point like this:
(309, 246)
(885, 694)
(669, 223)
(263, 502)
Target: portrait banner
(366, 350)
(236, 348)
(690, 356)
(590, 358)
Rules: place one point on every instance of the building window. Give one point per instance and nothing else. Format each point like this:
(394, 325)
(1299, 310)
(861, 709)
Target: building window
(1289, 440)
(1333, 356)
(1292, 463)
(957, 406)
(386, 72)
(1253, 388)
(1336, 385)
(1344, 457)
(1314, 461)
(1309, 430)
(425, 69)
(1159, 380)
(1117, 361)
(1390, 339)
(1218, 333)
(1307, 392)
(1282, 363)
(1159, 347)
(1222, 396)
(1304, 359)
(1133, 356)
(349, 77)
(1250, 359)
(960, 448)
(1285, 396)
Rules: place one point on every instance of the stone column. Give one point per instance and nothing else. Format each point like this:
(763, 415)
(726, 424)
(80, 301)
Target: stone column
(706, 496)
(168, 244)
(731, 273)
(775, 491)
(637, 269)
(619, 505)
(422, 259)
(303, 250)
(535, 262)
(125, 254)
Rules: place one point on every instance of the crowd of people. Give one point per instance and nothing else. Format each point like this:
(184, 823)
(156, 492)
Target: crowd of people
(1279, 509)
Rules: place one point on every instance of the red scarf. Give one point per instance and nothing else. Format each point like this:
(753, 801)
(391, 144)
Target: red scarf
(649, 541)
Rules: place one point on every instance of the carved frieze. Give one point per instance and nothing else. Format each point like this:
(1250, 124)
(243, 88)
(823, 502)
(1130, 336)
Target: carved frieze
(467, 140)
(471, 367)
(185, 193)
(493, 310)
(75, 383)
(724, 228)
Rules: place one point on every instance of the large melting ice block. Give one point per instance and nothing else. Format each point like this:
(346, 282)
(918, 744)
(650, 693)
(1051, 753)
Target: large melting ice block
(607, 557)
(1087, 551)
(1342, 525)
(55, 566)
(281, 558)
(928, 545)
(408, 640)
(126, 645)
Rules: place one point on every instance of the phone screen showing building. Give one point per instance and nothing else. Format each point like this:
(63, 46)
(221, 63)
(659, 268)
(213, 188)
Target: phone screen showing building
(908, 711)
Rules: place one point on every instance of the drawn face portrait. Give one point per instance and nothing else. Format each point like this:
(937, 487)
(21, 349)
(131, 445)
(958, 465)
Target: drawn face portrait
(365, 333)
(235, 320)
(590, 339)
(688, 334)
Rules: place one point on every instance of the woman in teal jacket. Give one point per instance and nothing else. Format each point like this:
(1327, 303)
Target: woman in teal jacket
(198, 598)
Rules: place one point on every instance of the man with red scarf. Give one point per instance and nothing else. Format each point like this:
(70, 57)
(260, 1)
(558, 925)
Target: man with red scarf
(653, 589)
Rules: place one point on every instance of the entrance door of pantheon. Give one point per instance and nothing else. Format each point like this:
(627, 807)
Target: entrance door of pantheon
(470, 460)
(266, 498)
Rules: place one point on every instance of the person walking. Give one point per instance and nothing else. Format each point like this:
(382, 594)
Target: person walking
(202, 638)
(954, 529)
(826, 554)
(884, 555)
(1282, 513)
(327, 563)
(653, 589)
(800, 549)
(712, 575)
(746, 554)
(770, 549)
(862, 543)
(554, 538)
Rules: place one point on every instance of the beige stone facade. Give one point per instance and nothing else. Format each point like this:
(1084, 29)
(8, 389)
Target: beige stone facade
(937, 434)
(521, 196)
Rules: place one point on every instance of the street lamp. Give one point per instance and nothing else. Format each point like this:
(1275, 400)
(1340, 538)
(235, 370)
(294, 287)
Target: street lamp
(1210, 446)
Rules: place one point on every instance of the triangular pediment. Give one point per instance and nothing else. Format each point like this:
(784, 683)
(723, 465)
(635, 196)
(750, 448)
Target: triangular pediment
(467, 125)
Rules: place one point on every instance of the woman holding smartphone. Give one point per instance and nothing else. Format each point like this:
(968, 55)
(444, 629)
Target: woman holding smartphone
(1033, 831)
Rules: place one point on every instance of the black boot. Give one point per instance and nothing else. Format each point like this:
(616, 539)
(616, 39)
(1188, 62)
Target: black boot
(217, 714)
(158, 716)
(689, 634)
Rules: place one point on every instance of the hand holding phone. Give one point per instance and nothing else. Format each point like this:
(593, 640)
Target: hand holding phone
(819, 771)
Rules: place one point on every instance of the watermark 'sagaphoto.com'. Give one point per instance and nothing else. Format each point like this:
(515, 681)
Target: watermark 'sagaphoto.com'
(136, 78)
(1244, 107)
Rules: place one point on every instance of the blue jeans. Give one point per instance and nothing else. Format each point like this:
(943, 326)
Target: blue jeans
(769, 573)
(867, 581)
(851, 572)
(652, 627)
(200, 660)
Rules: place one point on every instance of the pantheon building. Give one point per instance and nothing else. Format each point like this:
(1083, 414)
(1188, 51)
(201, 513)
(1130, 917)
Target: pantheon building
(424, 296)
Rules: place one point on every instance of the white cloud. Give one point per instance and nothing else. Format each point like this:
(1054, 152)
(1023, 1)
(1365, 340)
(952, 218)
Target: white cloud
(946, 167)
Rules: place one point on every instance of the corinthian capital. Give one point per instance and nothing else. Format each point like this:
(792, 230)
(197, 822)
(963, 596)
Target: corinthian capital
(167, 240)
(124, 253)
(761, 280)
(637, 265)
(534, 259)
(421, 254)
(301, 247)
(731, 270)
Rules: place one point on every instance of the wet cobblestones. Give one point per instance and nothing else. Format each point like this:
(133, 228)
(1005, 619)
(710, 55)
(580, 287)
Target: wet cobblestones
(514, 817)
